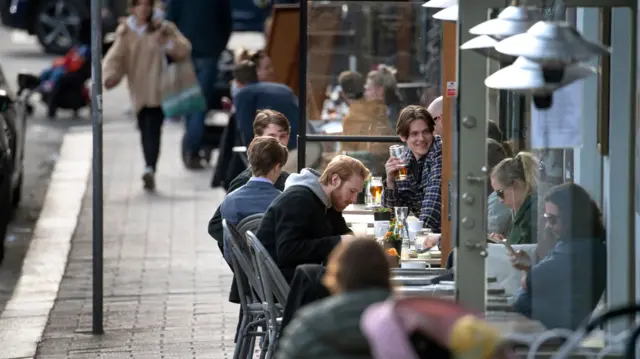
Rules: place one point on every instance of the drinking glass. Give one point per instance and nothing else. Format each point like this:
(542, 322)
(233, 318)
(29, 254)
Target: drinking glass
(397, 151)
(375, 188)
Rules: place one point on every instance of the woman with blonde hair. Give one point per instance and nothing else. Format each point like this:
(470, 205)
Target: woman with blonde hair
(515, 181)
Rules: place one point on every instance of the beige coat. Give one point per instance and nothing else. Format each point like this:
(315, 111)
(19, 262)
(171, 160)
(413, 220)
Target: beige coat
(140, 57)
(367, 118)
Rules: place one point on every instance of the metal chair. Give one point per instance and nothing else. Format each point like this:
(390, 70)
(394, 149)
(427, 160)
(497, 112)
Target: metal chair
(250, 223)
(276, 290)
(251, 295)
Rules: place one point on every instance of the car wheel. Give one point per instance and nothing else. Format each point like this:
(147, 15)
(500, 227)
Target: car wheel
(58, 24)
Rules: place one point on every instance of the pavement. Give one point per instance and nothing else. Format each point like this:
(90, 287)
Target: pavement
(165, 283)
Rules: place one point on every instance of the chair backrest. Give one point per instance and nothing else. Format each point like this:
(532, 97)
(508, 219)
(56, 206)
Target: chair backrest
(278, 283)
(250, 223)
(242, 263)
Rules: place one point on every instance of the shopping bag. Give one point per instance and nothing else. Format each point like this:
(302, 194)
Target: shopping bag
(181, 93)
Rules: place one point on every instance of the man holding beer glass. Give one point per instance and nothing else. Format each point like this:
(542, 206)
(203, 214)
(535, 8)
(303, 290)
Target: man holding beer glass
(414, 174)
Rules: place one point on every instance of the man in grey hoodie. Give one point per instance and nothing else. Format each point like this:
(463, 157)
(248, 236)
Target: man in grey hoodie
(305, 223)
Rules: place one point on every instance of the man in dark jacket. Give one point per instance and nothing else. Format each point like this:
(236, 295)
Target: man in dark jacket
(254, 96)
(305, 223)
(208, 25)
(267, 123)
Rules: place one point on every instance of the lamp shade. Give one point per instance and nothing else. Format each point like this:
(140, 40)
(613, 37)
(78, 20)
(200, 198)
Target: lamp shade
(485, 46)
(511, 21)
(551, 44)
(440, 4)
(448, 14)
(530, 77)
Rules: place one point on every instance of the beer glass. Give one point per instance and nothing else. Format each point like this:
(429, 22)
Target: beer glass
(375, 188)
(397, 151)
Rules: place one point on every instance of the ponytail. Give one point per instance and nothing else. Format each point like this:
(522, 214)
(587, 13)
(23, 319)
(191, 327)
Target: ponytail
(530, 170)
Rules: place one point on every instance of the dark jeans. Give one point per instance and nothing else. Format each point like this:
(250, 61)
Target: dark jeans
(206, 71)
(306, 287)
(150, 121)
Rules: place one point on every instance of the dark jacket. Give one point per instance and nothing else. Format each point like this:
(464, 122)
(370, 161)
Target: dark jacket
(215, 223)
(206, 23)
(330, 328)
(525, 222)
(300, 226)
(265, 95)
(565, 287)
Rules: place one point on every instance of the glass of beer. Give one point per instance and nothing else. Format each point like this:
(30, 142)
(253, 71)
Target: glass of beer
(397, 151)
(375, 188)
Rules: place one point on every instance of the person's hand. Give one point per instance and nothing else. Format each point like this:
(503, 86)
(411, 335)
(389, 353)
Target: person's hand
(110, 82)
(391, 167)
(521, 261)
(432, 239)
(496, 237)
(347, 237)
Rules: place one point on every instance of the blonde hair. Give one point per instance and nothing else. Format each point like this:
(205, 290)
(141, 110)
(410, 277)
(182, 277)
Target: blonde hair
(345, 167)
(523, 167)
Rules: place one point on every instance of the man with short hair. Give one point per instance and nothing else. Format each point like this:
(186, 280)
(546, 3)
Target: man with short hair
(267, 123)
(305, 222)
(435, 110)
(266, 158)
(420, 191)
(253, 96)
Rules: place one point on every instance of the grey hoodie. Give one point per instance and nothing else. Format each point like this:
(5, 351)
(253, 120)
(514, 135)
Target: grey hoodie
(309, 178)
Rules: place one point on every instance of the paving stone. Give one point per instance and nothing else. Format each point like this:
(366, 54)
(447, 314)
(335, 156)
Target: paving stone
(165, 282)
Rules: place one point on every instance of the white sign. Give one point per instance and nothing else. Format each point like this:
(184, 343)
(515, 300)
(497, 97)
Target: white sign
(559, 126)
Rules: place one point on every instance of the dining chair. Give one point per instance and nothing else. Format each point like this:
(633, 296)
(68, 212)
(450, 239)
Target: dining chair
(276, 290)
(250, 223)
(251, 294)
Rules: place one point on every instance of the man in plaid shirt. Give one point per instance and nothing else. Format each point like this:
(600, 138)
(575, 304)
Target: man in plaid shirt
(420, 191)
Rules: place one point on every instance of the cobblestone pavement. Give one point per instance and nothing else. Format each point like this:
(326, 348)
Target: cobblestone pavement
(165, 282)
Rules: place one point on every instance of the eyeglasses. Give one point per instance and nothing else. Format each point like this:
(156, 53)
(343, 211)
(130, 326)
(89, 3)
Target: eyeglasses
(552, 219)
(500, 193)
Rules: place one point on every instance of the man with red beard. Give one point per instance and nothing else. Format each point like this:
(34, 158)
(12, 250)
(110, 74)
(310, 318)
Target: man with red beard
(305, 223)
(420, 190)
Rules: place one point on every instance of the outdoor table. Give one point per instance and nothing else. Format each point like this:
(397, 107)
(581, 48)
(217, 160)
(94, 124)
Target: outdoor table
(420, 272)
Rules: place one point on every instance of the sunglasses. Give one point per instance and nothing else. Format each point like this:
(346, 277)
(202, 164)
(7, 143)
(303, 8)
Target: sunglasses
(500, 193)
(552, 219)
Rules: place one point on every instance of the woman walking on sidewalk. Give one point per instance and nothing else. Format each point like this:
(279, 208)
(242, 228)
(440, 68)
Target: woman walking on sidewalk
(142, 47)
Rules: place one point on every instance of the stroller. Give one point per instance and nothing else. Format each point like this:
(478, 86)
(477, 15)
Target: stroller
(63, 85)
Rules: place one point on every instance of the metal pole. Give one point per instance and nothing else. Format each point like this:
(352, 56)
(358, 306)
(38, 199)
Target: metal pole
(302, 87)
(96, 116)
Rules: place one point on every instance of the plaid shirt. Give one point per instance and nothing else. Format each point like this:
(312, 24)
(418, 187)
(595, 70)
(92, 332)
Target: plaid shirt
(421, 191)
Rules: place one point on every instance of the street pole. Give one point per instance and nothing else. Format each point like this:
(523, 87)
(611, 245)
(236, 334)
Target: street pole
(96, 117)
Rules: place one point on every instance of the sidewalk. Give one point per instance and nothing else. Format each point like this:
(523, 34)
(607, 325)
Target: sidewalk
(165, 282)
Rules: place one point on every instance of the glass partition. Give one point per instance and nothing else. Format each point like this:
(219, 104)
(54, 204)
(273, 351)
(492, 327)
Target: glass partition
(392, 50)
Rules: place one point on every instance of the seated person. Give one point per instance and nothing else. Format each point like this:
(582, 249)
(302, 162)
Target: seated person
(365, 117)
(254, 95)
(382, 85)
(266, 158)
(305, 223)
(435, 110)
(357, 276)
(267, 123)
(564, 288)
(420, 191)
(515, 181)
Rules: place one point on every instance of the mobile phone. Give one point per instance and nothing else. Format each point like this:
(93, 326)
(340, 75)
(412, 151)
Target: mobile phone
(510, 250)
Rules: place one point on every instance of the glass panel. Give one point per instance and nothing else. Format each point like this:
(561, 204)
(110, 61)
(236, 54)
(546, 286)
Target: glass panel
(358, 37)
(372, 154)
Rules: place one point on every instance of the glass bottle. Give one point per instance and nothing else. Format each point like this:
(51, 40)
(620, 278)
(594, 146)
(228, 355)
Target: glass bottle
(402, 232)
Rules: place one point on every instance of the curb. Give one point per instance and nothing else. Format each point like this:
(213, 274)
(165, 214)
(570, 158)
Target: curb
(25, 316)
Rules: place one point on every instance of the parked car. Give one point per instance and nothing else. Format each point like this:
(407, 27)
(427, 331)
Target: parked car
(57, 23)
(14, 112)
